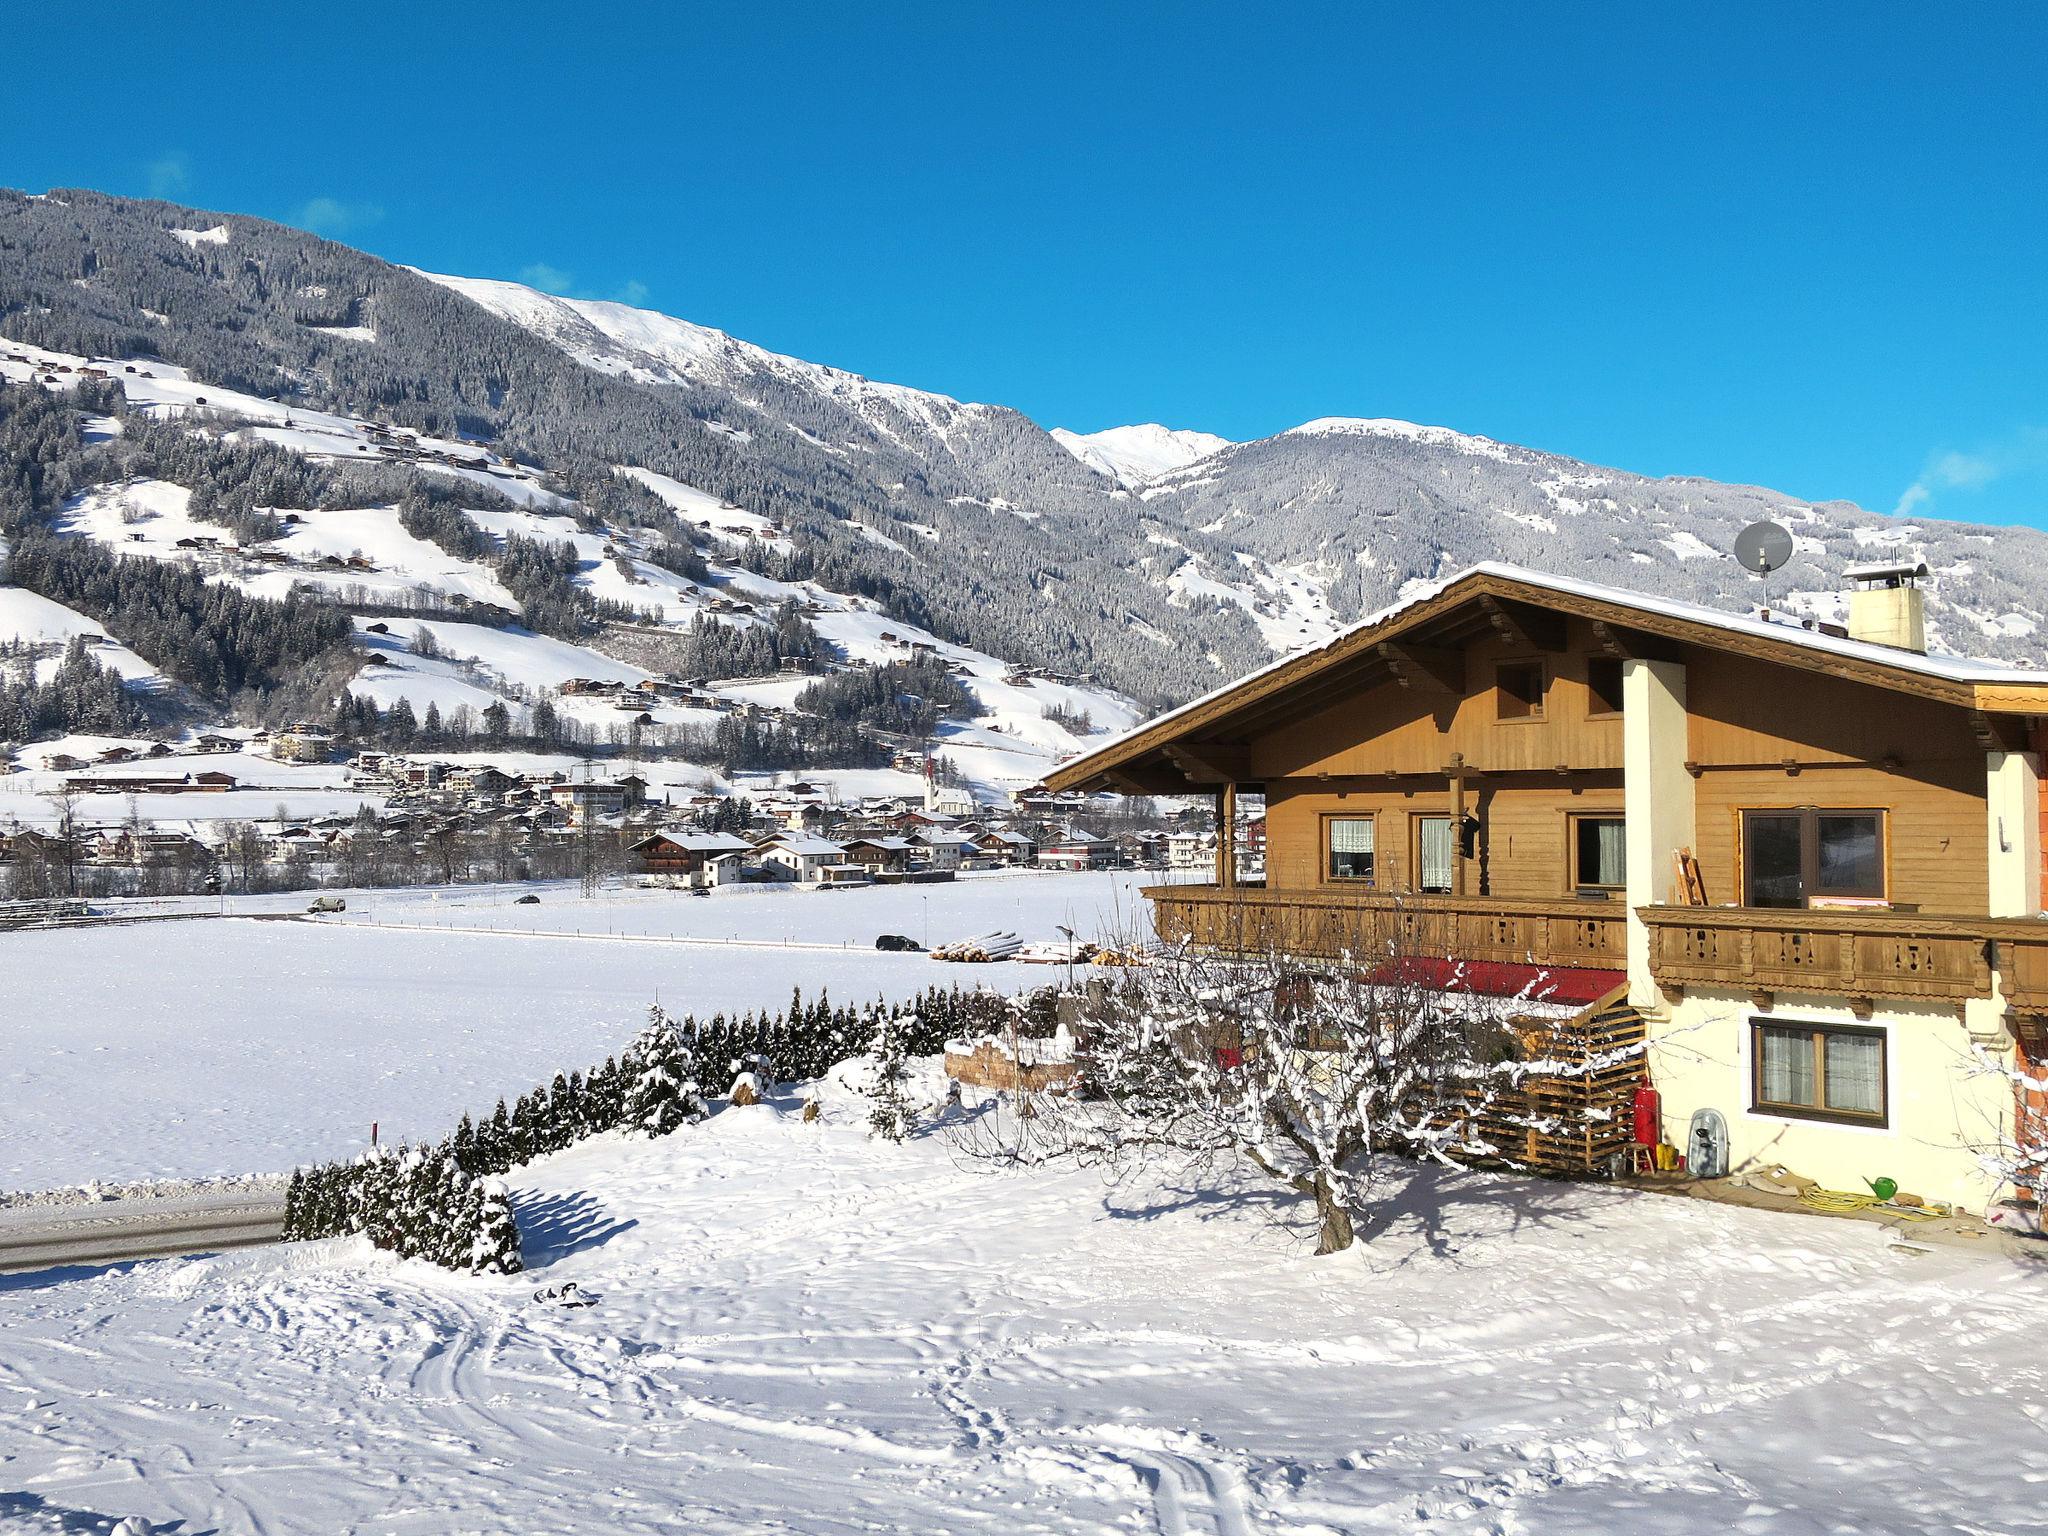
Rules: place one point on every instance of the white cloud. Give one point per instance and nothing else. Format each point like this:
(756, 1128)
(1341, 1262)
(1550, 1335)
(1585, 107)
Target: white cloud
(2024, 452)
(552, 279)
(548, 279)
(170, 174)
(332, 217)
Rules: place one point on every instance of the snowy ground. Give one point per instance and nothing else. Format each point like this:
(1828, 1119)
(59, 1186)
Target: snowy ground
(172, 1050)
(803, 1330)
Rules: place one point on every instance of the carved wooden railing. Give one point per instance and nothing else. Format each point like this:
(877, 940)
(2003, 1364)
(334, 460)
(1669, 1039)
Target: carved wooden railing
(1857, 955)
(1331, 923)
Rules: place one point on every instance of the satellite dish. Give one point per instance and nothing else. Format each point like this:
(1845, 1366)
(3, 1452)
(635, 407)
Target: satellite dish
(1762, 547)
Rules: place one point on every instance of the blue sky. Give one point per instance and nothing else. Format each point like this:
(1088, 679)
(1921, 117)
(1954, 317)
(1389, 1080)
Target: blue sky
(1800, 247)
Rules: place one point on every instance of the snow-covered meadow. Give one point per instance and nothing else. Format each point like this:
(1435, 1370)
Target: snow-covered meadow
(188, 1049)
(803, 1329)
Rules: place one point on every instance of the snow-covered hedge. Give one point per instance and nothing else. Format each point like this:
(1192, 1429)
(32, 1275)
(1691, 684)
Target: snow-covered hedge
(436, 1202)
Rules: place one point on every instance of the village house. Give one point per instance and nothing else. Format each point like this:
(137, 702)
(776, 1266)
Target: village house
(689, 857)
(943, 849)
(582, 801)
(1077, 850)
(879, 851)
(300, 743)
(1804, 867)
(800, 857)
(1005, 845)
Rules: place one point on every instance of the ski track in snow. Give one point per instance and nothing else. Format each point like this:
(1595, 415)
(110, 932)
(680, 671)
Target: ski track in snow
(803, 1329)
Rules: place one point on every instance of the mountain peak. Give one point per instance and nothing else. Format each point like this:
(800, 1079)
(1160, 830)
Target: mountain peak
(1132, 454)
(1405, 431)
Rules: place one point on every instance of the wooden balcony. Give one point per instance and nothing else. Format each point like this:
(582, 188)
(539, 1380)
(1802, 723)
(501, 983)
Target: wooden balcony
(1248, 919)
(1860, 955)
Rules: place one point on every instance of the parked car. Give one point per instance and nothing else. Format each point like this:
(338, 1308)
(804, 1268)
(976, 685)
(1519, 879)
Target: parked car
(329, 904)
(528, 900)
(898, 943)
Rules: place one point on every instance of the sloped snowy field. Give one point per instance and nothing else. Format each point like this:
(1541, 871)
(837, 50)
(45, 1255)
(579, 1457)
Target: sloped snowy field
(803, 1330)
(186, 1049)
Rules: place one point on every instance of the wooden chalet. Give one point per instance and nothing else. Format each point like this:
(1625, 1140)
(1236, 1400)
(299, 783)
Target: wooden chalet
(686, 856)
(1808, 863)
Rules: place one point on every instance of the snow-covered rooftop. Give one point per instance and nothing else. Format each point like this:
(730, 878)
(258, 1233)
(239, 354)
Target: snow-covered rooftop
(1958, 669)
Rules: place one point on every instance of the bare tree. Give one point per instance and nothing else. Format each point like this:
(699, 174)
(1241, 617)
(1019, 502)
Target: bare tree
(1308, 1070)
(64, 801)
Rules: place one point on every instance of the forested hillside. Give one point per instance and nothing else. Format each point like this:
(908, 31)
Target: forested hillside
(1158, 562)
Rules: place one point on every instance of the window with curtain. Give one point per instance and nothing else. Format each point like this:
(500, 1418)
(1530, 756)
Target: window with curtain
(1351, 848)
(1598, 854)
(1820, 1072)
(1433, 854)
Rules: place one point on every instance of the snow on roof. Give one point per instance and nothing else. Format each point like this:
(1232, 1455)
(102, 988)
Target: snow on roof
(705, 842)
(1960, 669)
(805, 845)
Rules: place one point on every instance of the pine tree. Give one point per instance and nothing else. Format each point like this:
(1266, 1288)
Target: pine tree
(495, 1141)
(298, 1214)
(495, 1248)
(559, 1123)
(662, 1093)
(463, 1147)
(889, 1117)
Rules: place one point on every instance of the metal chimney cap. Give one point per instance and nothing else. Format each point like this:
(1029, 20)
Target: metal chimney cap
(1890, 573)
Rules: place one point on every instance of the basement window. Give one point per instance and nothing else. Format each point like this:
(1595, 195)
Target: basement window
(1818, 1072)
(1351, 848)
(1603, 686)
(1519, 690)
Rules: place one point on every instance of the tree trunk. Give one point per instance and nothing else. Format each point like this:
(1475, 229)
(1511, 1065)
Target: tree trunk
(1337, 1234)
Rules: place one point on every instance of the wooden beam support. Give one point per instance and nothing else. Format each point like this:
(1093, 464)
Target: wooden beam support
(1134, 782)
(1528, 629)
(1226, 835)
(1631, 645)
(1998, 733)
(1427, 668)
(1207, 762)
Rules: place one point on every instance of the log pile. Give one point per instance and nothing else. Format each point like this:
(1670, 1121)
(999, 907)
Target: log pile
(981, 949)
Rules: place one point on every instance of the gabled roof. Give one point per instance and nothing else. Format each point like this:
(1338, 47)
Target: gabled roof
(800, 843)
(698, 842)
(1967, 682)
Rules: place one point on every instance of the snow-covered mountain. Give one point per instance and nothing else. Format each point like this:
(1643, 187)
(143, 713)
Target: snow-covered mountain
(1131, 455)
(1160, 561)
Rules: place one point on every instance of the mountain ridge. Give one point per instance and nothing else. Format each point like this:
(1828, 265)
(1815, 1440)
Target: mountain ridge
(1160, 578)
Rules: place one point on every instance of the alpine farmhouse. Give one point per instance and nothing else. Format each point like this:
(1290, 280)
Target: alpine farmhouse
(1807, 858)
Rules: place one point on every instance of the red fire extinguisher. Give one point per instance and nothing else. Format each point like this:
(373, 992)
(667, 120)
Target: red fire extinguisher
(1649, 1116)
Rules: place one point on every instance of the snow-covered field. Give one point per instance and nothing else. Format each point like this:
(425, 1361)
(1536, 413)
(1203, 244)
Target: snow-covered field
(805, 1330)
(184, 1049)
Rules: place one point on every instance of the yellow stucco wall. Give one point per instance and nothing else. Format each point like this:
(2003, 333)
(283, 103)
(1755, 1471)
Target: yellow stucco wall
(1945, 1116)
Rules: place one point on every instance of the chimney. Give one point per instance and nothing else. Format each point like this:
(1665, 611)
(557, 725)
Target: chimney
(1886, 605)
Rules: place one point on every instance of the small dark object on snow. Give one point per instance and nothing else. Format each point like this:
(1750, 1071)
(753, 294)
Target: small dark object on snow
(528, 900)
(898, 943)
(568, 1294)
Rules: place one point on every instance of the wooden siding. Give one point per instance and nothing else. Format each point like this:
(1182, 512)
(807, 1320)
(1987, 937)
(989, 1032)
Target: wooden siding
(1391, 728)
(1857, 748)
(1522, 843)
